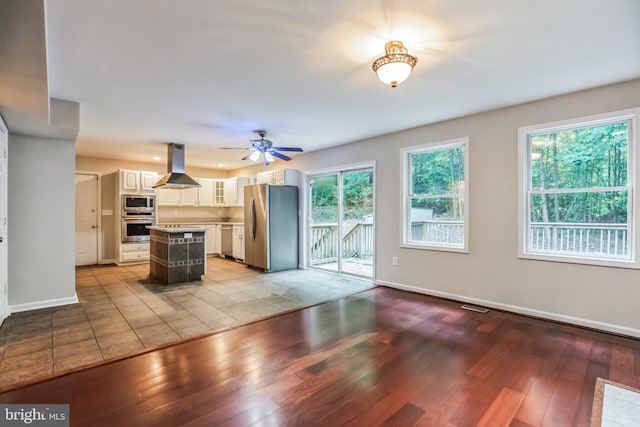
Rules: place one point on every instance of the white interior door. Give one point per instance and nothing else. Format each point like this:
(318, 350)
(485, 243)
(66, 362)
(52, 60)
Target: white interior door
(4, 288)
(86, 219)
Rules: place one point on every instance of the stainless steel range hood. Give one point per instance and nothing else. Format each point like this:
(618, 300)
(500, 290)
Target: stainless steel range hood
(175, 177)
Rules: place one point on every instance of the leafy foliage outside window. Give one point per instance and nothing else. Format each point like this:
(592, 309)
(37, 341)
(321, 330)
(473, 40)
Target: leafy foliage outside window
(436, 196)
(357, 189)
(578, 191)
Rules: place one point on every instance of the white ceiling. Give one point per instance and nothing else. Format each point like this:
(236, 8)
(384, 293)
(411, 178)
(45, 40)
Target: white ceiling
(207, 73)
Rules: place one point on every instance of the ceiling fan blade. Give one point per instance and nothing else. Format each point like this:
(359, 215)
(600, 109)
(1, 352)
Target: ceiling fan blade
(299, 150)
(233, 148)
(280, 156)
(247, 156)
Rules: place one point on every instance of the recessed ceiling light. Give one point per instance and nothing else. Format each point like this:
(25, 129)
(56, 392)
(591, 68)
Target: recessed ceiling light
(157, 158)
(220, 165)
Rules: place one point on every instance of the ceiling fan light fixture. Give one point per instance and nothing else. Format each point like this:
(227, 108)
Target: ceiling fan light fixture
(254, 156)
(268, 157)
(396, 66)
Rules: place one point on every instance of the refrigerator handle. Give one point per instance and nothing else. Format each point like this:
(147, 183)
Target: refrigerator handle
(253, 218)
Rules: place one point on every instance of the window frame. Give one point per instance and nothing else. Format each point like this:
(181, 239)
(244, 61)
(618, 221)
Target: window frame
(405, 166)
(524, 199)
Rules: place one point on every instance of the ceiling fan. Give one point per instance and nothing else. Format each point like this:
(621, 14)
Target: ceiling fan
(264, 147)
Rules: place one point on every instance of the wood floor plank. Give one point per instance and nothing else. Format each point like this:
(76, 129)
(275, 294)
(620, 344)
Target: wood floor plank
(382, 357)
(535, 403)
(622, 361)
(502, 410)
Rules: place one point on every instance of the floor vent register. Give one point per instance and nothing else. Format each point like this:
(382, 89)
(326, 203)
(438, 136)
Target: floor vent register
(475, 308)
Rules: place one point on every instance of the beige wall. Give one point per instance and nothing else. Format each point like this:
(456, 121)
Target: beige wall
(491, 273)
(40, 222)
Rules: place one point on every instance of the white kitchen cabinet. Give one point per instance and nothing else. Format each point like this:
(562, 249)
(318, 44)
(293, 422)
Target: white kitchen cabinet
(133, 181)
(177, 196)
(189, 196)
(205, 192)
(131, 252)
(218, 192)
(213, 239)
(231, 192)
(218, 239)
(278, 177)
(168, 196)
(238, 242)
(147, 181)
(234, 191)
(129, 181)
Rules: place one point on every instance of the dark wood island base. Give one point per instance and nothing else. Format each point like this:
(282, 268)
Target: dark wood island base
(177, 254)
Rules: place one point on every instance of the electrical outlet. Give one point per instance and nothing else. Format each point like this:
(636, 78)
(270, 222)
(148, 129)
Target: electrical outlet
(394, 260)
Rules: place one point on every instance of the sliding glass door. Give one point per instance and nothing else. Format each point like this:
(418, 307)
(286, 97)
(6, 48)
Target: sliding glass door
(341, 234)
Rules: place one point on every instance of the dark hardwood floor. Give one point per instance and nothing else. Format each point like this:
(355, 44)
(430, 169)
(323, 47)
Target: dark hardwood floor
(381, 357)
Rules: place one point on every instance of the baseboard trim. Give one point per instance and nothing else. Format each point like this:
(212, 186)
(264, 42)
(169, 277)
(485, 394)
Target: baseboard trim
(36, 305)
(107, 261)
(592, 324)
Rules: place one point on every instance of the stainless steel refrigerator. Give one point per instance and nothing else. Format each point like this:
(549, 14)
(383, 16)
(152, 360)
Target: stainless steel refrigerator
(271, 227)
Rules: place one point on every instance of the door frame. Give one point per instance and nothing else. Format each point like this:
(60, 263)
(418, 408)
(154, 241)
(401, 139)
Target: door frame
(4, 280)
(306, 212)
(98, 175)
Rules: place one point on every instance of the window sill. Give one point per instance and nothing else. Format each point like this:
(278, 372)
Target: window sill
(596, 262)
(440, 248)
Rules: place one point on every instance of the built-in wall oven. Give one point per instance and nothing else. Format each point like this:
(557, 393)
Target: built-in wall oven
(138, 212)
(135, 229)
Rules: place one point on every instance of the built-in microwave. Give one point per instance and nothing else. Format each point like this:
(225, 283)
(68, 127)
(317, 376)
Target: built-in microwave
(135, 229)
(138, 204)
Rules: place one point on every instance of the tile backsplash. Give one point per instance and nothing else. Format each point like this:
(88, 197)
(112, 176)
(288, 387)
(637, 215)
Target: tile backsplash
(171, 214)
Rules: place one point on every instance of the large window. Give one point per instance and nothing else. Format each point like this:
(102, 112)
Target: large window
(435, 196)
(577, 187)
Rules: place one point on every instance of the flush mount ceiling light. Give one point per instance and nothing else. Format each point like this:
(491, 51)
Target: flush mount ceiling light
(396, 65)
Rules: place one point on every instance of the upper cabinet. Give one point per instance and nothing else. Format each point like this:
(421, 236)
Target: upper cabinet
(132, 181)
(205, 192)
(212, 192)
(234, 191)
(278, 177)
(168, 196)
(189, 196)
(218, 192)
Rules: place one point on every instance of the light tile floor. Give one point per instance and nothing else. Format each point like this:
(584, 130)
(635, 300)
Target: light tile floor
(122, 311)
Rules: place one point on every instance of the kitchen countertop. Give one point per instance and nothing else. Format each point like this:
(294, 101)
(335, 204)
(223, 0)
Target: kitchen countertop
(192, 223)
(185, 229)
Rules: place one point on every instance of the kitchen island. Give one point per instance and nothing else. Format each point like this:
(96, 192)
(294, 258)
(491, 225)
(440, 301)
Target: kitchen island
(177, 253)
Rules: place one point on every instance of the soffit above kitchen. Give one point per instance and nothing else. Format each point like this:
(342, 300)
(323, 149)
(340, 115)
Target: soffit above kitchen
(207, 74)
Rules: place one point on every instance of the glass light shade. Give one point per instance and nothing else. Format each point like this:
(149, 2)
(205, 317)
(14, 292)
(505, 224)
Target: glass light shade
(255, 155)
(394, 73)
(394, 67)
(269, 157)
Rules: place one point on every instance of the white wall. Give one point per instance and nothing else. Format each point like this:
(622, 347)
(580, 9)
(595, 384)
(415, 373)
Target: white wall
(491, 274)
(41, 208)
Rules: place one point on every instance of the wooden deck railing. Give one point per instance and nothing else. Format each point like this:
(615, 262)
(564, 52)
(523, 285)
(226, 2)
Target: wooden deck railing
(357, 243)
(609, 240)
(450, 232)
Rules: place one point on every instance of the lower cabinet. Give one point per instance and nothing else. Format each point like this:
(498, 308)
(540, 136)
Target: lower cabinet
(130, 252)
(238, 242)
(213, 239)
